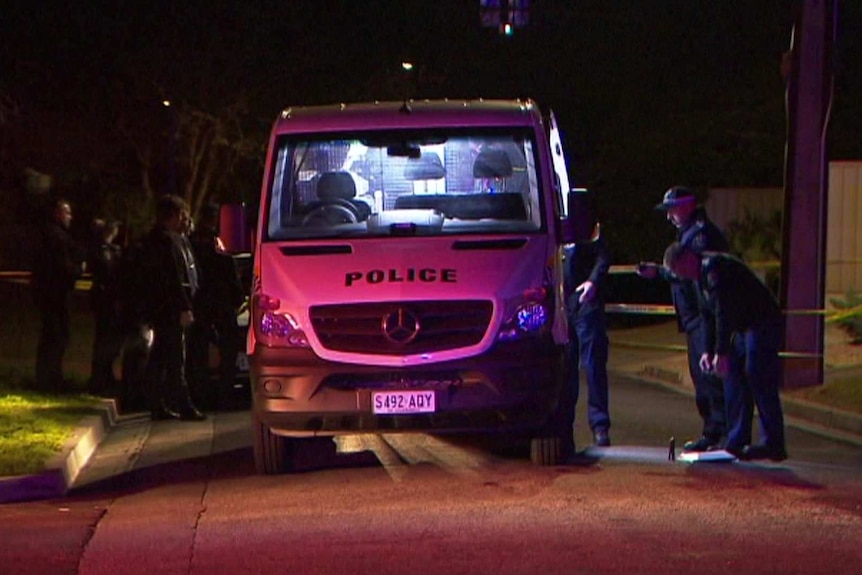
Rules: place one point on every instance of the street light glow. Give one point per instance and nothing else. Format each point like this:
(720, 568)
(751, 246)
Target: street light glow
(407, 66)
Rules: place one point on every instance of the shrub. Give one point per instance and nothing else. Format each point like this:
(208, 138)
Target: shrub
(757, 238)
(849, 316)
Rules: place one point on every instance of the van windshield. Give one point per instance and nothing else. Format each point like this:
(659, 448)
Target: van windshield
(400, 183)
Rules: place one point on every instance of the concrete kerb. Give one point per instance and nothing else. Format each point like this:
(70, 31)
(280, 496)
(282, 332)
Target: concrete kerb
(62, 469)
(830, 421)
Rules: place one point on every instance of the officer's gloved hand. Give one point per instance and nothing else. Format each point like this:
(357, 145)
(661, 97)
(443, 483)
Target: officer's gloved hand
(705, 363)
(587, 291)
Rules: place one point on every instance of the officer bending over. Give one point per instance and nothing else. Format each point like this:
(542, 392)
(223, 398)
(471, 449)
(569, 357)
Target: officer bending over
(742, 328)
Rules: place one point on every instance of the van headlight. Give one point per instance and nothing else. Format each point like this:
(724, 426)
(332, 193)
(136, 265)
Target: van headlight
(527, 319)
(275, 328)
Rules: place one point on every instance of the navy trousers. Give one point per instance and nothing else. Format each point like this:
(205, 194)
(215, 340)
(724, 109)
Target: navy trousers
(588, 349)
(53, 342)
(166, 370)
(107, 344)
(754, 379)
(708, 388)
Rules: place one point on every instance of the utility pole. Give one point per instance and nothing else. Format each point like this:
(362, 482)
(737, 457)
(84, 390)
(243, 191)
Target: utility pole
(808, 68)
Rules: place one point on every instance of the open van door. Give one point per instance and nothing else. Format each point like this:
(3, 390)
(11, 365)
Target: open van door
(559, 161)
(234, 232)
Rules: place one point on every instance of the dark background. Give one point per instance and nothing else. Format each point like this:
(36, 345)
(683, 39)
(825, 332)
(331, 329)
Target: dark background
(648, 93)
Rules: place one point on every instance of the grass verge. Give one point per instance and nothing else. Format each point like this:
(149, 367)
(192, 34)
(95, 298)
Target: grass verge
(34, 426)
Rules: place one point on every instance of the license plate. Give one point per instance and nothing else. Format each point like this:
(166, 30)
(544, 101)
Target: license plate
(242, 361)
(393, 402)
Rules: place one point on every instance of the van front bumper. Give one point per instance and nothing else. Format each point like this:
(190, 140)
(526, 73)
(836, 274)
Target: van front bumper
(512, 386)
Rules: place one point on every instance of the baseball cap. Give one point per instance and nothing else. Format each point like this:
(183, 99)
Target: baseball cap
(676, 196)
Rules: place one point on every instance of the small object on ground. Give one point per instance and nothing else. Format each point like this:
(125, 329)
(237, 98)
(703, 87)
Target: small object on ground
(715, 456)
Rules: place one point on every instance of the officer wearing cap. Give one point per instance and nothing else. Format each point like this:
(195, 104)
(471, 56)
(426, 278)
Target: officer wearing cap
(742, 328)
(698, 233)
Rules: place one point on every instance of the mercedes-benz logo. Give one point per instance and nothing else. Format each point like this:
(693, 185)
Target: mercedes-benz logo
(400, 326)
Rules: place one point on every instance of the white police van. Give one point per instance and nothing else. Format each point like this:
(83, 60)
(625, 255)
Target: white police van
(407, 274)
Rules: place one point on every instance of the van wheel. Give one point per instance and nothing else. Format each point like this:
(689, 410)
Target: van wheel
(272, 453)
(545, 451)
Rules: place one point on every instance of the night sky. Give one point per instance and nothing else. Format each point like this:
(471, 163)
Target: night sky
(649, 93)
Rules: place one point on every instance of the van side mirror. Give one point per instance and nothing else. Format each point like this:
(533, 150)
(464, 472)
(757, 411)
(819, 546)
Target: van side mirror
(234, 231)
(580, 223)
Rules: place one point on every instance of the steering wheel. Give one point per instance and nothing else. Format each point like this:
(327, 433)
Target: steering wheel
(330, 214)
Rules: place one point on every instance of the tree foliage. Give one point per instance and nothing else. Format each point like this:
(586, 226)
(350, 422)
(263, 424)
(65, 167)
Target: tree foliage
(201, 154)
(757, 239)
(849, 315)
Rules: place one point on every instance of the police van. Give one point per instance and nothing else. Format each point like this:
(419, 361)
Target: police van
(407, 274)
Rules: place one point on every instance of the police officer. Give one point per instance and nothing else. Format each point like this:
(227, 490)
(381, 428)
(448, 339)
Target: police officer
(216, 304)
(58, 263)
(586, 266)
(173, 283)
(104, 265)
(698, 233)
(742, 331)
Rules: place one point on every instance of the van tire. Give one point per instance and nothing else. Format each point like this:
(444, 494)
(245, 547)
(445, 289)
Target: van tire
(545, 451)
(272, 453)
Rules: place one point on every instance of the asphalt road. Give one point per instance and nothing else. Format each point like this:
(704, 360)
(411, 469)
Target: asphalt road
(422, 504)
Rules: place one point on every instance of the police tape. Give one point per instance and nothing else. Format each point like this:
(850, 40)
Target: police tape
(623, 269)
(757, 265)
(647, 345)
(831, 316)
(85, 283)
(799, 355)
(676, 347)
(637, 308)
(15, 277)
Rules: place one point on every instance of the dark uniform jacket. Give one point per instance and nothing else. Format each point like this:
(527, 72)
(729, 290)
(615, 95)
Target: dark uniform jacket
(169, 275)
(586, 261)
(699, 235)
(733, 299)
(104, 266)
(58, 263)
(221, 291)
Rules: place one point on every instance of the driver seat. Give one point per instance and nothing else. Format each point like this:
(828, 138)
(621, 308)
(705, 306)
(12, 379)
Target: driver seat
(336, 186)
(339, 188)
